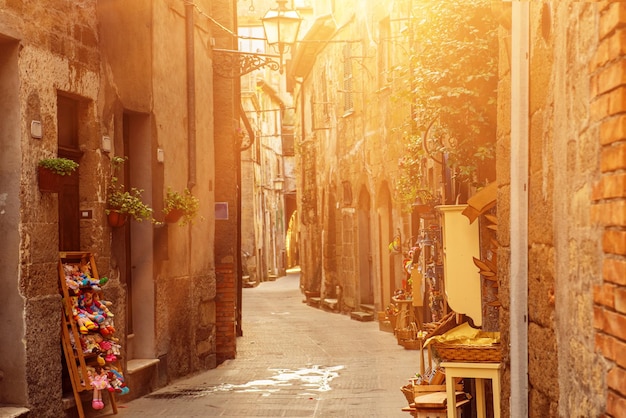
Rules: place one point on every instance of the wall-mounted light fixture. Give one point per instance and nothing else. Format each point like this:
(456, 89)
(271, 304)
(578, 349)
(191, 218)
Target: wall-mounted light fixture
(279, 183)
(106, 143)
(281, 26)
(35, 129)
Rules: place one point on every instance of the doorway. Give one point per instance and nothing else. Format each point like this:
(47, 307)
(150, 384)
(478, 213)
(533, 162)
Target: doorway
(68, 122)
(366, 280)
(138, 269)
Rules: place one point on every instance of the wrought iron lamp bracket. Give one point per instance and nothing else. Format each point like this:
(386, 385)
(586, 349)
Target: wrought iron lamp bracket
(234, 64)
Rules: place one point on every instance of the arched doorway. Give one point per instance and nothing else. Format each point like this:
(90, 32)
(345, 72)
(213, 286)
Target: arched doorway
(366, 274)
(386, 233)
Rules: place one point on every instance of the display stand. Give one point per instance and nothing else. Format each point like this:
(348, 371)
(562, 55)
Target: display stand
(79, 362)
(480, 372)
(406, 316)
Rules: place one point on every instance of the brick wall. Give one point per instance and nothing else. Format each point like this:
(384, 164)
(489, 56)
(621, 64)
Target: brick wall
(225, 303)
(608, 208)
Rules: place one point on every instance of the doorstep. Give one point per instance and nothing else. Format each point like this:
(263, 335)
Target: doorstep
(142, 378)
(8, 411)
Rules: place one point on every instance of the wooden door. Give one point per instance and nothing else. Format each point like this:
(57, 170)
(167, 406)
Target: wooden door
(69, 214)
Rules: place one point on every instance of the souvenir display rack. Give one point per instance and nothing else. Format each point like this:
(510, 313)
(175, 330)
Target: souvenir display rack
(91, 351)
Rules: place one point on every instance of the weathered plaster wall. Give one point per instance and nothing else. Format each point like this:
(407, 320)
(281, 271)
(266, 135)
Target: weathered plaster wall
(12, 356)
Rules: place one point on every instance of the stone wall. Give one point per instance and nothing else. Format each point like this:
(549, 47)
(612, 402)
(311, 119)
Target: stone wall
(576, 207)
(120, 62)
(59, 55)
(349, 144)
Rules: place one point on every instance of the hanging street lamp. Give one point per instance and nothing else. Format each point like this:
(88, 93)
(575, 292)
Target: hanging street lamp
(281, 26)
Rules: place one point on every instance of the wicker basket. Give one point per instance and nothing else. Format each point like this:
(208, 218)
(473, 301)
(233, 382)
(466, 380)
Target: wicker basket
(408, 393)
(412, 344)
(404, 334)
(468, 353)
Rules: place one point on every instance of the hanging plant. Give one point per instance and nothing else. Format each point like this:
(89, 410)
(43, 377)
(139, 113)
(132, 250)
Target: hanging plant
(51, 170)
(60, 166)
(129, 202)
(180, 205)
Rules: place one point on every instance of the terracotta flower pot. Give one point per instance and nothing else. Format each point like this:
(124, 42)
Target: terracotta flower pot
(174, 216)
(116, 219)
(49, 181)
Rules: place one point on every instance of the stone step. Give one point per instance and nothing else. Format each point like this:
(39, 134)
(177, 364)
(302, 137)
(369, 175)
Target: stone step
(331, 305)
(314, 301)
(142, 377)
(367, 308)
(9, 411)
(362, 316)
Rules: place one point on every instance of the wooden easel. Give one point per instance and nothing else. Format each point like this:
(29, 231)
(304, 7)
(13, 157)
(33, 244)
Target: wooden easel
(74, 356)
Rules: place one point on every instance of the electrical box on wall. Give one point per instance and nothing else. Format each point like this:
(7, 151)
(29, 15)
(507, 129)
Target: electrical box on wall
(35, 129)
(106, 144)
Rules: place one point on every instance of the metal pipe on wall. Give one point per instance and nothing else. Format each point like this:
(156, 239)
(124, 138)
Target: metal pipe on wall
(520, 59)
(191, 94)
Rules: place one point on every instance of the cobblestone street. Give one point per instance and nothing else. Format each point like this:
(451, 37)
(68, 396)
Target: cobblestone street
(293, 361)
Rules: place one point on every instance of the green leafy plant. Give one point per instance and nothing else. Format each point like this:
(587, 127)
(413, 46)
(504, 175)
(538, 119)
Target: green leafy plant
(60, 166)
(128, 202)
(184, 202)
(451, 74)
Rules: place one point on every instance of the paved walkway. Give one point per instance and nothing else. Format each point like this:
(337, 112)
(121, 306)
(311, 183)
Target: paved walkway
(293, 361)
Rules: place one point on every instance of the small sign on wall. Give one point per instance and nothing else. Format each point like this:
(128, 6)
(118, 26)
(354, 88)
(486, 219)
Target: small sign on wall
(221, 211)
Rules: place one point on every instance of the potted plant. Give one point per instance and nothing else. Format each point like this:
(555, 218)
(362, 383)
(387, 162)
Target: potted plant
(51, 170)
(122, 203)
(180, 205)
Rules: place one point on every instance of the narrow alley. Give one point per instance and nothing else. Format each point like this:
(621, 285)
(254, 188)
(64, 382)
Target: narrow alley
(293, 361)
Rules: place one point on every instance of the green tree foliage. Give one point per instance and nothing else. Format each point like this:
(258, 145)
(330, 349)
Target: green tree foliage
(452, 87)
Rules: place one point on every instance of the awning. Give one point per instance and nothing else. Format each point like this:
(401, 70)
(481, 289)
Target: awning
(313, 42)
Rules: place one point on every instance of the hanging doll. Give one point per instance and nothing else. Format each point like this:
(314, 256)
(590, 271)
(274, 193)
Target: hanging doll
(105, 349)
(116, 380)
(99, 382)
(87, 305)
(72, 279)
(99, 307)
(87, 280)
(102, 314)
(85, 324)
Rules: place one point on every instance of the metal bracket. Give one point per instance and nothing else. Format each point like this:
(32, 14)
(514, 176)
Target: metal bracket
(234, 64)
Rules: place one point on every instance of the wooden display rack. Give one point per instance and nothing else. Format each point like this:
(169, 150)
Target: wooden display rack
(74, 357)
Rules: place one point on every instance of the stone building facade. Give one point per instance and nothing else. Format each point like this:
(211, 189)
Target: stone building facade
(348, 158)
(267, 165)
(104, 79)
(575, 206)
(560, 202)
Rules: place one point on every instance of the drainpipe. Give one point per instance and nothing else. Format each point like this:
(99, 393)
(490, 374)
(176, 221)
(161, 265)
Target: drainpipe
(520, 50)
(191, 95)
